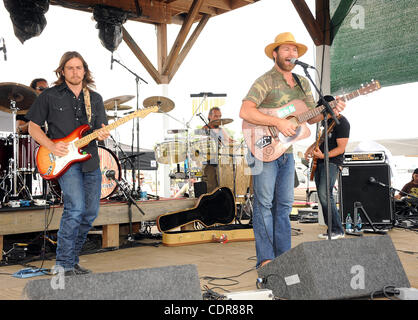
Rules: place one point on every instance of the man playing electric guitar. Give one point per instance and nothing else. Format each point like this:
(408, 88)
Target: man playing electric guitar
(337, 141)
(65, 107)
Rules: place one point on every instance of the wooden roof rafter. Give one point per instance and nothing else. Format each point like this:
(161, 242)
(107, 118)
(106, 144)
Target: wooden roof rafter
(161, 13)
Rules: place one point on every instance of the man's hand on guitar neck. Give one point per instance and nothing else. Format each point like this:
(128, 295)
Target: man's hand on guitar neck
(102, 134)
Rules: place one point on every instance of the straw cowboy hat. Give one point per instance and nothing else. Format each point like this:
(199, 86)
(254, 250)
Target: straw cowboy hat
(285, 38)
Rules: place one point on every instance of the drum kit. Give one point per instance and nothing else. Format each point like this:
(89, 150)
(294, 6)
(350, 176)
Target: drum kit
(17, 151)
(197, 148)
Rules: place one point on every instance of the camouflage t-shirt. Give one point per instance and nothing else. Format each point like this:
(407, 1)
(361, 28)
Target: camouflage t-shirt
(272, 91)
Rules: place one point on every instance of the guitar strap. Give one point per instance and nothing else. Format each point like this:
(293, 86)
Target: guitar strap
(87, 104)
(298, 82)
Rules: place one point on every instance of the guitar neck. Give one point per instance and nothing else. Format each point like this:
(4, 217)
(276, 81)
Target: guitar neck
(310, 114)
(82, 142)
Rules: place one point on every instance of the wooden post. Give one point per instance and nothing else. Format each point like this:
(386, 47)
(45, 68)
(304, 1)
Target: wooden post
(110, 237)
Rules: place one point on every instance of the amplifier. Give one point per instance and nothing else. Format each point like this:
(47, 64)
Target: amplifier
(355, 187)
(364, 157)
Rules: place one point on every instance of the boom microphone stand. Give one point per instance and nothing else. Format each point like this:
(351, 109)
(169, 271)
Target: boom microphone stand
(137, 78)
(327, 110)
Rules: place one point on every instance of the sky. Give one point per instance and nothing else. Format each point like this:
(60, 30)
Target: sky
(226, 58)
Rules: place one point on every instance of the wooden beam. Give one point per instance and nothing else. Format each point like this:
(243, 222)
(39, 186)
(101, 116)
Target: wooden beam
(162, 50)
(309, 21)
(141, 56)
(181, 37)
(323, 20)
(189, 45)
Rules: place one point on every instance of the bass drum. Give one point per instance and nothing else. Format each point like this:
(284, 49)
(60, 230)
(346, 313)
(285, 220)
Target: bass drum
(108, 161)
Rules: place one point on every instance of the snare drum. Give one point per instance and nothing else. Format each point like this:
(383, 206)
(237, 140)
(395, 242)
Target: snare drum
(26, 153)
(170, 152)
(108, 161)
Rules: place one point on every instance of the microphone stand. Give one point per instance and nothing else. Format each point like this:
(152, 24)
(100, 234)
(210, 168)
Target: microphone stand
(127, 193)
(137, 78)
(327, 110)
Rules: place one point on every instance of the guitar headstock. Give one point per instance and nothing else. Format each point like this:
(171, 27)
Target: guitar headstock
(370, 87)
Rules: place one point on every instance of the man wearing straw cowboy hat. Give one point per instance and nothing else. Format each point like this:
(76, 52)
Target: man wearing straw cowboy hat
(273, 184)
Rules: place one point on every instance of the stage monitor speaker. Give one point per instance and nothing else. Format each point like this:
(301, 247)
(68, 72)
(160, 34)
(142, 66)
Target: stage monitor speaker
(164, 283)
(200, 188)
(355, 187)
(335, 269)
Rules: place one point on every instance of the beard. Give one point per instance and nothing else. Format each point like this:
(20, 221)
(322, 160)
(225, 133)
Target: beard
(281, 63)
(74, 81)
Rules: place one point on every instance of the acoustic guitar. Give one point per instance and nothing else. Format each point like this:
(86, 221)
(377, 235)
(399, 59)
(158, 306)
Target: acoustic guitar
(51, 166)
(267, 143)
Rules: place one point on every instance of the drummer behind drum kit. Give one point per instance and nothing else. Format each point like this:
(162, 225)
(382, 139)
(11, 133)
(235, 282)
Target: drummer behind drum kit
(199, 147)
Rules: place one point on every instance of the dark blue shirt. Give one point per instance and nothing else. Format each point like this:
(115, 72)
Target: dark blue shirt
(64, 112)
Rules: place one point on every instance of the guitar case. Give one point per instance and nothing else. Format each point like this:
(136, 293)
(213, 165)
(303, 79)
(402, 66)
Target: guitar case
(217, 207)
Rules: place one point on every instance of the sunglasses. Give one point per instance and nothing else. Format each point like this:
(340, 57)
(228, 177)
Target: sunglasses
(41, 88)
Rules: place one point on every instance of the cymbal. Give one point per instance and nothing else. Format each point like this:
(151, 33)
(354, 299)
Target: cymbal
(23, 95)
(165, 104)
(118, 107)
(220, 122)
(110, 103)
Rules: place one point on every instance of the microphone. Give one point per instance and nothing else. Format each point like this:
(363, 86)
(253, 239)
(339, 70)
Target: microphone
(302, 64)
(111, 62)
(4, 50)
(373, 180)
(110, 174)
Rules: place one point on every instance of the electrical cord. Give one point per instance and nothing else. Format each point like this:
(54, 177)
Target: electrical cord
(386, 291)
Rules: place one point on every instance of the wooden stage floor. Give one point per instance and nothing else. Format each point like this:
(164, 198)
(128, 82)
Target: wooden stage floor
(212, 259)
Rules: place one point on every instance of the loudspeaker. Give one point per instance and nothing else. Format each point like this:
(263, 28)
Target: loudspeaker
(164, 283)
(335, 269)
(200, 188)
(355, 187)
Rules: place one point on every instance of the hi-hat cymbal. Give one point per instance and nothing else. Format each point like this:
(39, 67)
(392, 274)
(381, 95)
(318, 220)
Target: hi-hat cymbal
(164, 104)
(220, 122)
(23, 95)
(110, 103)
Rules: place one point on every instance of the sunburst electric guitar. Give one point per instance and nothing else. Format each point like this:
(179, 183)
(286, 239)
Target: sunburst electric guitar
(267, 143)
(51, 166)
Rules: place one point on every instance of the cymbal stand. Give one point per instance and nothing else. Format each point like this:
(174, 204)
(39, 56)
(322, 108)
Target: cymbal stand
(15, 146)
(13, 175)
(115, 113)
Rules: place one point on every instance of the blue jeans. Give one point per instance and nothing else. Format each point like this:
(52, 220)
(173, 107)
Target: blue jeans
(321, 187)
(81, 193)
(273, 185)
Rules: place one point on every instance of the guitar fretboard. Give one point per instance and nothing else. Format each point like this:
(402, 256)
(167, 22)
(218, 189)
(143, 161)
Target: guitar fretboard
(88, 138)
(307, 115)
